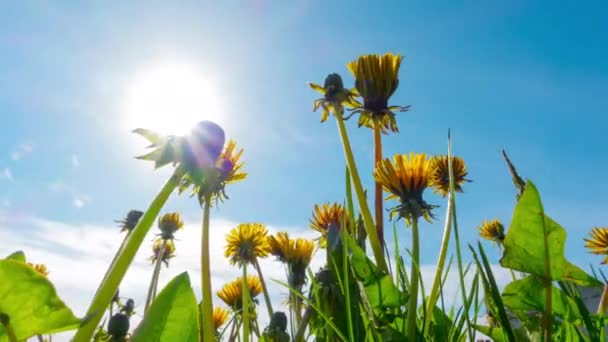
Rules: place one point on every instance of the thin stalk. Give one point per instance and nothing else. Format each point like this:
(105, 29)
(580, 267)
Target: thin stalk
(266, 295)
(601, 308)
(40, 339)
(151, 291)
(413, 293)
(118, 270)
(463, 289)
(378, 187)
(298, 307)
(122, 245)
(547, 320)
(346, 275)
(299, 336)
(365, 212)
(207, 328)
(245, 301)
(6, 322)
(234, 329)
(433, 296)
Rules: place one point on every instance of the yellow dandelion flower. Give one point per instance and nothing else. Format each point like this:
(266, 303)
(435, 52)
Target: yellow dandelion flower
(376, 79)
(440, 175)
(232, 293)
(335, 96)
(40, 268)
(298, 258)
(169, 224)
(279, 245)
(492, 230)
(129, 222)
(220, 316)
(326, 215)
(164, 247)
(406, 179)
(598, 242)
(246, 242)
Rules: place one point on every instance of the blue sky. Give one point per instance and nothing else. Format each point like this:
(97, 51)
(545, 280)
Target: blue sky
(530, 78)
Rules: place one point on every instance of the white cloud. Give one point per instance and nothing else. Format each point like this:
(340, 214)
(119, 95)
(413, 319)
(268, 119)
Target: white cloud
(6, 174)
(21, 151)
(78, 199)
(77, 257)
(75, 161)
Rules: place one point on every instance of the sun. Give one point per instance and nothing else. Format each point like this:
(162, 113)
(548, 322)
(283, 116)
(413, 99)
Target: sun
(170, 99)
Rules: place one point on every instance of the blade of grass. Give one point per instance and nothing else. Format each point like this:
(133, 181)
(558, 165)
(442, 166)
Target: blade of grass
(457, 238)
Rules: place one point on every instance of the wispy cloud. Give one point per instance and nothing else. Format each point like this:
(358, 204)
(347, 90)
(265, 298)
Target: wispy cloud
(6, 174)
(75, 161)
(77, 257)
(21, 151)
(78, 199)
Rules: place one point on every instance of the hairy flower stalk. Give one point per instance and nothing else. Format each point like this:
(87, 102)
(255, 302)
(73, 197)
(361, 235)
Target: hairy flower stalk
(194, 155)
(226, 168)
(246, 243)
(336, 97)
(406, 179)
(376, 79)
(163, 250)
(440, 180)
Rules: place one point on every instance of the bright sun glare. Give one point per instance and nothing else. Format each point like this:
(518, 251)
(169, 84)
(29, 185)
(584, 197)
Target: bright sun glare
(171, 99)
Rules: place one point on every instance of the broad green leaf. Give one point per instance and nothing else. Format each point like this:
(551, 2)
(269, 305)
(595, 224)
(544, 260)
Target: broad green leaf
(524, 245)
(31, 302)
(173, 316)
(380, 290)
(17, 256)
(576, 275)
(528, 294)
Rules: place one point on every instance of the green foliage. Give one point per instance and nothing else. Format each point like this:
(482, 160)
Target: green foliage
(173, 314)
(17, 256)
(527, 295)
(30, 301)
(524, 243)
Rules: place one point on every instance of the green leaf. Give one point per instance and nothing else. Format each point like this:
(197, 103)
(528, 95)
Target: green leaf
(173, 316)
(380, 290)
(17, 256)
(528, 294)
(525, 242)
(152, 137)
(31, 302)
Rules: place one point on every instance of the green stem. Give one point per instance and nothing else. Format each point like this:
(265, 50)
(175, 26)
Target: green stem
(434, 295)
(207, 328)
(266, 295)
(365, 212)
(463, 289)
(413, 293)
(547, 319)
(117, 271)
(155, 274)
(378, 187)
(245, 309)
(122, 245)
(6, 322)
(601, 308)
(299, 336)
